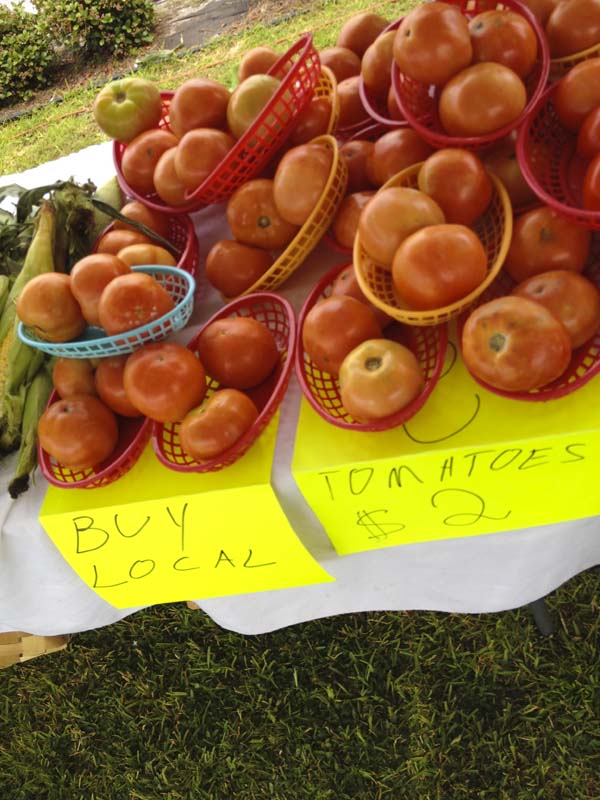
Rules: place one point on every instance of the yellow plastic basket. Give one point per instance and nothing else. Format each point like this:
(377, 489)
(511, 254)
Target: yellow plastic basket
(327, 87)
(494, 229)
(560, 66)
(311, 233)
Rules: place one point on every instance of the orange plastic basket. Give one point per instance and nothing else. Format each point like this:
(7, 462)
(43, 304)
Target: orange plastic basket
(298, 69)
(560, 66)
(419, 102)
(322, 390)
(494, 228)
(550, 165)
(585, 360)
(134, 434)
(278, 315)
(311, 233)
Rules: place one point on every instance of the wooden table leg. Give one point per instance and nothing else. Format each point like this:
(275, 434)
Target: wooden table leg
(18, 646)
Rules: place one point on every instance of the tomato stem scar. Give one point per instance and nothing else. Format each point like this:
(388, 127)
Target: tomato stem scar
(497, 342)
(373, 363)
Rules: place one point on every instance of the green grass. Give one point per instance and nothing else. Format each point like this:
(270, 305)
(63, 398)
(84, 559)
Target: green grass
(406, 706)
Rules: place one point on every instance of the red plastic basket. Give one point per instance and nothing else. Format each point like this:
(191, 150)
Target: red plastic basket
(298, 69)
(549, 163)
(585, 361)
(322, 390)
(374, 106)
(134, 435)
(278, 315)
(419, 102)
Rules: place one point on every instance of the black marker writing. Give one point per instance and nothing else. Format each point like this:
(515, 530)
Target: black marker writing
(377, 529)
(469, 518)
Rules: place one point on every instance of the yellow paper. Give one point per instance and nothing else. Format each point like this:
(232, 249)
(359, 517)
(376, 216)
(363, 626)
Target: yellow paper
(158, 536)
(469, 463)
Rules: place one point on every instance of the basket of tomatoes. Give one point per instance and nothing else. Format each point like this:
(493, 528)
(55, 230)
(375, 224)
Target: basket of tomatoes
(466, 74)
(358, 368)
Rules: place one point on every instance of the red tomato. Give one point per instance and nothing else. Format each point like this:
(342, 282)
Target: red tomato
(90, 276)
(79, 432)
(570, 296)
(506, 37)
(248, 100)
(47, 306)
(458, 182)
(143, 254)
(345, 222)
(588, 138)
(232, 268)
(352, 110)
(392, 215)
(299, 181)
(438, 265)
(169, 187)
(541, 9)
(256, 61)
(108, 382)
(198, 103)
(394, 151)
(116, 239)
(378, 378)
(314, 121)
(591, 185)
(543, 240)
(238, 352)
(376, 64)
(433, 43)
(355, 153)
(141, 156)
(164, 380)
(346, 283)
(573, 25)
(155, 220)
(393, 108)
(578, 93)
(254, 219)
(361, 30)
(481, 99)
(198, 153)
(208, 431)
(343, 62)
(333, 327)
(503, 163)
(73, 376)
(515, 344)
(131, 300)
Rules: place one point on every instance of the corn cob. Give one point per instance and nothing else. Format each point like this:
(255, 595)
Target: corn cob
(4, 290)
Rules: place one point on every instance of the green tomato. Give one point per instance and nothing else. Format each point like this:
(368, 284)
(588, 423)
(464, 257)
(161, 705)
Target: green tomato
(126, 107)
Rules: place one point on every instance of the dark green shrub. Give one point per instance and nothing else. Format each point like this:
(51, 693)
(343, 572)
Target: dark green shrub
(26, 55)
(94, 29)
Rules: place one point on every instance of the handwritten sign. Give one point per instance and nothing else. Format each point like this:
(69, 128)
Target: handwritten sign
(470, 463)
(157, 536)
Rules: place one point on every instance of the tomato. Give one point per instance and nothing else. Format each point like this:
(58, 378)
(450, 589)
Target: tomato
(254, 219)
(433, 43)
(117, 238)
(134, 210)
(343, 62)
(352, 110)
(355, 153)
(232, 267)
(169, 188)
(394, 151)
(73, 376)
(248, 100)
(90, 276)
(126, 107)
(458, 182)
(570, 296)
(541, 9)
(361, 30)
(314, 121)
(198, 103)
(379, 378)
(299, 181)
(108, 382)
(79, 432)
(208, 431)
(256, 61)
(238, 352)
(198, 153)
(376, 64)
(132, 300)
(574, 25)
(164, 380)
(515, 344)
(588, 138)
(543, 240)
(578, 93)
(505, 37)
(346, 283)
(481, 99)
(47, 306)
(503, 163)
(141, 156)
(345, 221)
(591, 185)
(142, 254)
(333, 327)
(392, 215)
(438, 265)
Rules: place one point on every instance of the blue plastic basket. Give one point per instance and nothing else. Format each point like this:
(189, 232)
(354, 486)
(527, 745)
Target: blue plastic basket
(94, 343)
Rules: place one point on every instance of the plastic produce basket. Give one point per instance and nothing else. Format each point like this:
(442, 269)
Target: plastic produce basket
(298, 69)
(93, 342)
(560, 66)
(585, 360)
(322, 390)
(419, 102)
(494, 228)
(375, 107)
(134, 435)
(550, 165)
(278, 315)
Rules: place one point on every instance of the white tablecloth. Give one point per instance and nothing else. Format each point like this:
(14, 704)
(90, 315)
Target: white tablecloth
(39, 592)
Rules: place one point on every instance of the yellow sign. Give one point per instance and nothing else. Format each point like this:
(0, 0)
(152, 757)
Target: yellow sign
(469, 463)
(185, 536)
